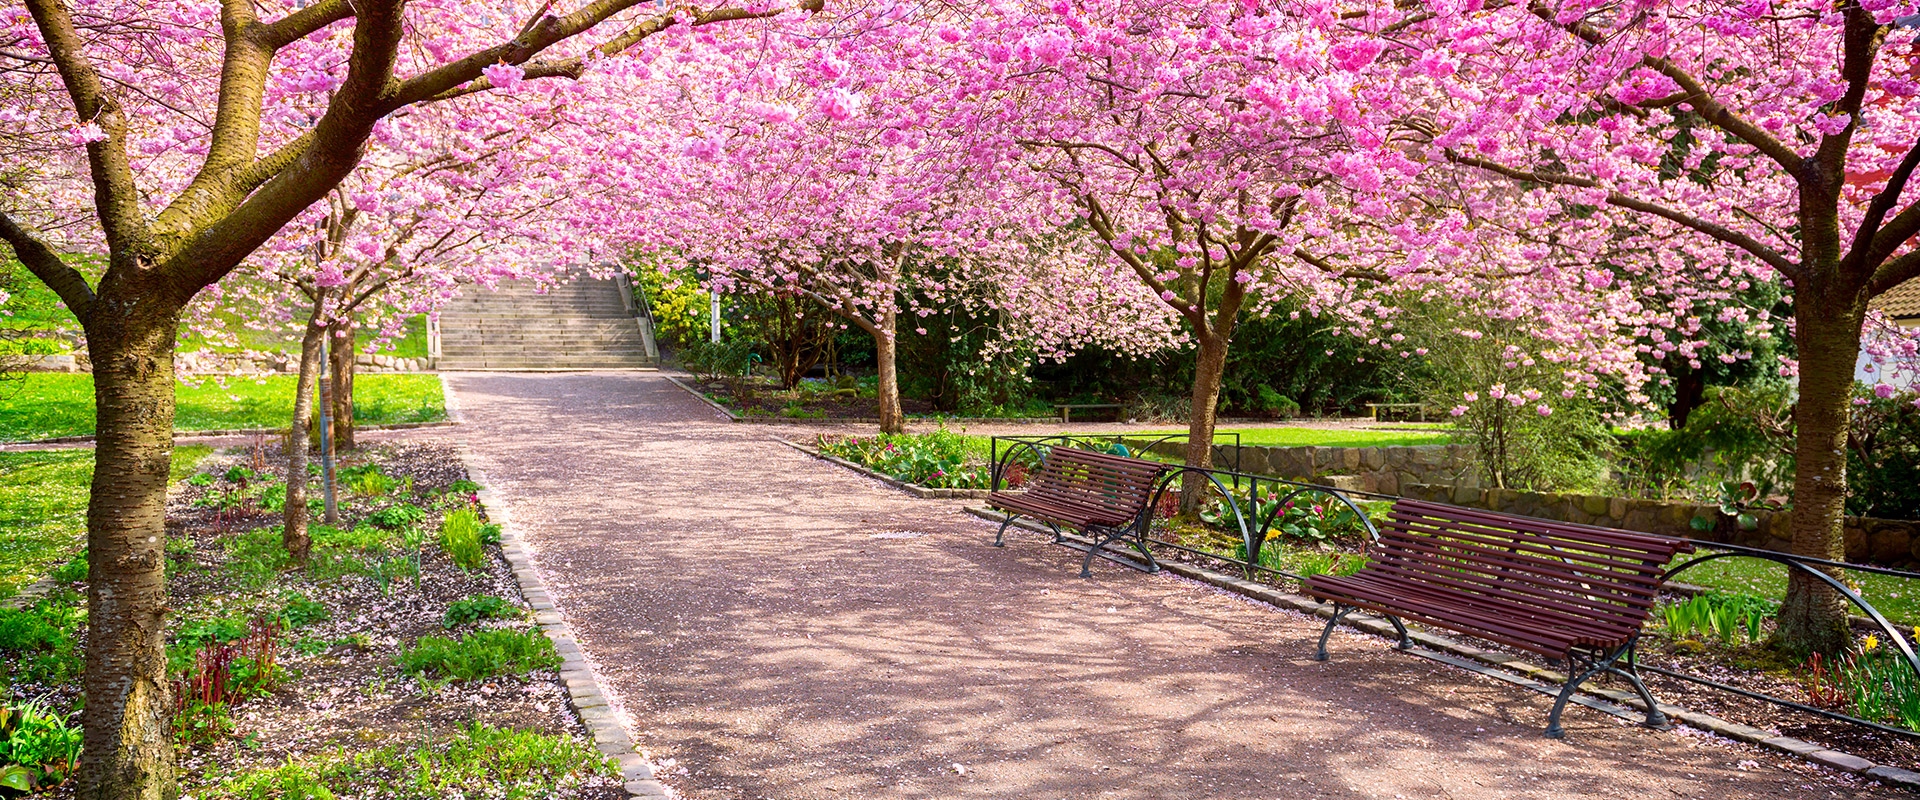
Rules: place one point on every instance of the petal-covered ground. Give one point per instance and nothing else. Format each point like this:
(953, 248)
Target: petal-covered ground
(779, 627)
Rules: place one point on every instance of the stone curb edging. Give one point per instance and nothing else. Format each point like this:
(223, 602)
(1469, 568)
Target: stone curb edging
(910, 488)
(583, 684)
(392, 426)
(1834, 759)
(757, 420)
(576, 671)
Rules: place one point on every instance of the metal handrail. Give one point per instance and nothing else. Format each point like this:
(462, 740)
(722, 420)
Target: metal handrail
(1253, 535)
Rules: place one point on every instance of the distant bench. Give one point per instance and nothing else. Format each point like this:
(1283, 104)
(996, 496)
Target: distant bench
(1066, 410)
(1573, 592)
(1415, 410)
(1104, 496)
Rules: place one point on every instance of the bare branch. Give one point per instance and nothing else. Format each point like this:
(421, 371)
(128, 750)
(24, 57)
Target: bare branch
(1873, 243)
(47, 266)
(116, 197)
(1730, 236)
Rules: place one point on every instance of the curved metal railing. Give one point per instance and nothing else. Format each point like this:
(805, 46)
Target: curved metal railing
(1235, 488)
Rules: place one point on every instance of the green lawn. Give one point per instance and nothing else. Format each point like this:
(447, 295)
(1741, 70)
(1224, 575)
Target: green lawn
(1318, 437)
(43, 508)
(47, 405)
(1897, 598)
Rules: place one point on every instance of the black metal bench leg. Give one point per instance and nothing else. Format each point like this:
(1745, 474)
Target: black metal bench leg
(1597, 666)
(1406, 642)
(1101, 537)
(1656, 719)
(1000, 539)
(1338, 612)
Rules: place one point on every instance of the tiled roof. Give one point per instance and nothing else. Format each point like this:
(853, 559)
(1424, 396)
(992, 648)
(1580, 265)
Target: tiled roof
(1902, 302)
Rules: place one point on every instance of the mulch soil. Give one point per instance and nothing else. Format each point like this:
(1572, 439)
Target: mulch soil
(343, 691)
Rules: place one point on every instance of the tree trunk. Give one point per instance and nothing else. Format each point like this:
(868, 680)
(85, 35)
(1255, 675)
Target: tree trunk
(127, 751)
(1827, 332)
(892, 419)
(1207, 372)
(341, 355)
(293, 532)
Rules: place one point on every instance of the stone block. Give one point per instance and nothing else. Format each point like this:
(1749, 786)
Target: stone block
(1616, 508)
(1388, 482)
(1857, 546)
(1254, 460)
(1840, 761)
(1348, 457)
(1469, 496)
(1372, 458)
(1595, 505)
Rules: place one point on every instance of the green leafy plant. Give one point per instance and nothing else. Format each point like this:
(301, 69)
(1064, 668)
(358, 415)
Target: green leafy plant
(39, 749)
(74, 571)
(1732, 618)
(302, 611)
(367, 480)
(238, 474)
(481, 654)
(38, 642)
(938, 460)
(478, 761)
(399, 515)
(1873, 683)
(468, 610)
(460, 535)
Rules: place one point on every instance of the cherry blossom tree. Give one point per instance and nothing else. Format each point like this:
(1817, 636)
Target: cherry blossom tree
(206, 128)
(801, 165)
(1730, 142)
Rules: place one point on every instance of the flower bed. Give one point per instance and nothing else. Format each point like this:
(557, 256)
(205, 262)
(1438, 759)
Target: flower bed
(400, 662)
(938, 460)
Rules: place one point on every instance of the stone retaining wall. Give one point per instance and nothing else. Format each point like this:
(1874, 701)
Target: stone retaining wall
(1370, 469)
(256, 363)
(1874, 541)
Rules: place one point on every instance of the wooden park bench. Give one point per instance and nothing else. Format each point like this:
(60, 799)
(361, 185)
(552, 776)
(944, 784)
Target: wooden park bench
(1104, 496)
(1405, 410)
(1573, 593)
(1066, 409)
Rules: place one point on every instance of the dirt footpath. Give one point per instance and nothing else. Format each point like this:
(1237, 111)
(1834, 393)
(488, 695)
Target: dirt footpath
(778, 627)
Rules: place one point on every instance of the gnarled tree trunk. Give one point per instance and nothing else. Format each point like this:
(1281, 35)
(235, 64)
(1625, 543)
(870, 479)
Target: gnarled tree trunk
(1208, 369)
(128, 746)
(1813, 616)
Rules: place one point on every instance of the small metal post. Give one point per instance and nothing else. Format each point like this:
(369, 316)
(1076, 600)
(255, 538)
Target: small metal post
(326, 440)
(715, 296)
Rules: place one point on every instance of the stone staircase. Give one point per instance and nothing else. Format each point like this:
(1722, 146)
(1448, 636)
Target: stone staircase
(581, 324)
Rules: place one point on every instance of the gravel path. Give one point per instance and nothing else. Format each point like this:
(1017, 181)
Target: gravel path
(781, 628)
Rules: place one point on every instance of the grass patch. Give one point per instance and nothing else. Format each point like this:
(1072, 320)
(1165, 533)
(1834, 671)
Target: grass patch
(480, 760)
(481, 654)
(1897, 598)
(1317, 437)
(47, 405)
(43, 508)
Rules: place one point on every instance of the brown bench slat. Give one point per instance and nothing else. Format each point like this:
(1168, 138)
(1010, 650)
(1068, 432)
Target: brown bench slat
(1391, 585)
(1636, 541)
(1582, 550)
(1553, 586)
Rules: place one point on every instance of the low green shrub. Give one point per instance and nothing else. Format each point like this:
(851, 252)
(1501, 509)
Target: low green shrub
(939, 460)
(481, 654)
(479, 761)
(39, 749)
(302, 611)
(460, 535)
(1731, 617)
(38, 642)
(399, 515)
(468, 610)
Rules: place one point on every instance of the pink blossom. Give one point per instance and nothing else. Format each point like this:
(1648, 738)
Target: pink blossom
(85, 134)
(1883, 391)
(1458, 410)
(1544, 409)
(503, 76)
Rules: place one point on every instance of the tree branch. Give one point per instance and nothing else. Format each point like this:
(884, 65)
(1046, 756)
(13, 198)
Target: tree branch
(1874, 243)
(1697, 95)
(1730, 236)
(47, 266)
(116, 197)
(537, 37)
